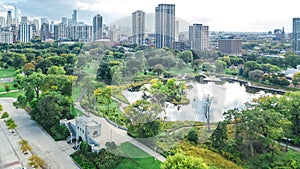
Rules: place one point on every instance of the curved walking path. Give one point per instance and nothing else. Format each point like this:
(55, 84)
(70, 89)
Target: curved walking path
(111, 133)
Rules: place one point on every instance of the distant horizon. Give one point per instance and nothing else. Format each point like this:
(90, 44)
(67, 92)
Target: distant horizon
(220, 16)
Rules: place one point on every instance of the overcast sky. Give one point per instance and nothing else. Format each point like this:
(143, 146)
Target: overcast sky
(219, 15)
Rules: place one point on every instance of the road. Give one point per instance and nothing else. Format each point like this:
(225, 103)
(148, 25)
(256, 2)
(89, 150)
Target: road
(111, 133)
(56, 154)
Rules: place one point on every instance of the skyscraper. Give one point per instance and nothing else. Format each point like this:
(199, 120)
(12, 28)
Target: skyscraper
(296, 35)
(97, 27)
(2, 21)
(25, 32)
(64, 20)
(44, 32)
(74, 16)
(198, 37)
(138, 27)
(164, 25)
(37, 25)
(9, 18)
(24, 19)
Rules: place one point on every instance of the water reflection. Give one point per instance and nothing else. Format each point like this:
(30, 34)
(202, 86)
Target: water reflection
(225, 96)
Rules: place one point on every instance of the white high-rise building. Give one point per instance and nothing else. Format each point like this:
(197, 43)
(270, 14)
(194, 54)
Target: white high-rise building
(164, 25)
(6, 37)
(138, 27)
(2, 21)
(198, 37)
(97, 27)
(25, 32)
(60, 31)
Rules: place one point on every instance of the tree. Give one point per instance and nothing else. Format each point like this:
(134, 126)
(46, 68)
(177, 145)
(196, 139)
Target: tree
(11, 125)
(4, 115)
(290, 102)
(35, 81)
(296, 78)
(207, 100)
(1, 107)
(28, 68)
(180, 161)
(56, 70)
(193, 136)
(220, 66)
(36, 162)
(219, 136)
(25, 146)
(158, 68)
(18, 60)
(186, 56)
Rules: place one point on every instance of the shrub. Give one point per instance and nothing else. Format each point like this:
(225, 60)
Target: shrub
(193, 136)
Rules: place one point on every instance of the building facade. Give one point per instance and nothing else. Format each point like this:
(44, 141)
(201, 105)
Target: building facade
(97, 27)
(25, 32)
(44, 32)
(198, 37)
(138, 27)
(6, 37)
(9, 18)
(296, 35)
(164, 25)
(230, 46)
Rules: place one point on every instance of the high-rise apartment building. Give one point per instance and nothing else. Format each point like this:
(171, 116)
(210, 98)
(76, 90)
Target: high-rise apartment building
(60, 31)
(37, 25)
(138, 27)
(24, 19)
(44, 32)
(64, 20)
(296, 35)
(9, 18)
(6, 37)
(164, 25)
(97, 27)
(81, 33)
(25, 32)
(230, 46)
(198, 37)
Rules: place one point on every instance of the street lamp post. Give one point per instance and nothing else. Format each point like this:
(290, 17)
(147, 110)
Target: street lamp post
(286, 140)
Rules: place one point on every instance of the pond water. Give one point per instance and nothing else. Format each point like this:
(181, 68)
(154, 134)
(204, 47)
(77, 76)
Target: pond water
(225, 96)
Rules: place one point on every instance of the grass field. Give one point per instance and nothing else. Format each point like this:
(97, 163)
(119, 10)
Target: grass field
(139, 158)
(91, 68)
(11, 94)
(6, 73)
(10, 84)
(76, 112)
(184, 70)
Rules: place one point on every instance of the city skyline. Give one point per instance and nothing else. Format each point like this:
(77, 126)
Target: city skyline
(230, 15)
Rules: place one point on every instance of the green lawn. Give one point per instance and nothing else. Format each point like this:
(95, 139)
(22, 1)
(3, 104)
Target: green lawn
(75, 92)
(6, 73)
(91, 68)
(10, 84)
(184, 70)
(11, 94)
(139, 158)
(75, 112)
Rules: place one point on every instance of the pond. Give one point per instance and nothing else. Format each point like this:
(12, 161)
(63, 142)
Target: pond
(225, 96)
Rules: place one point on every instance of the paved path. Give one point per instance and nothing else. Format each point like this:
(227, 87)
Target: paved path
(111, 133)
(56, 154)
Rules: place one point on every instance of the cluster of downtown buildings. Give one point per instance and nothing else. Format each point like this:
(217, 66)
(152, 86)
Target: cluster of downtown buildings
(166, 32)
(69, 29)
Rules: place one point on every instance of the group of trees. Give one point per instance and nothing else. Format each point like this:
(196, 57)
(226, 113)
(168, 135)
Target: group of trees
(258, 126)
